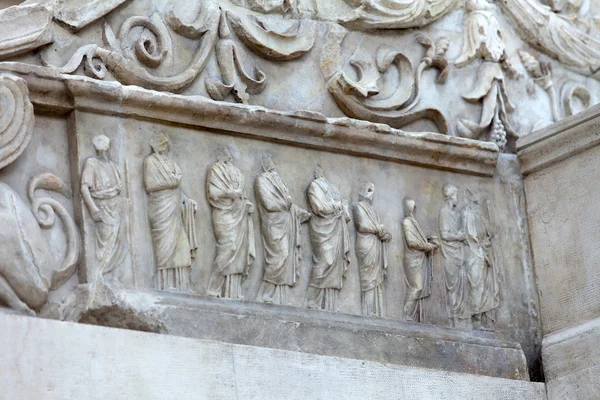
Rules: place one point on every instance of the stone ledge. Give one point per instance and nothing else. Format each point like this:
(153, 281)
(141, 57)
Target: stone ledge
(48, 360)
(567, 137)
(57, 93)
(309, 331)
(571, 351)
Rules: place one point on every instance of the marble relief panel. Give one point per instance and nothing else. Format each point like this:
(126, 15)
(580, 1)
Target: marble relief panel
(195, 151)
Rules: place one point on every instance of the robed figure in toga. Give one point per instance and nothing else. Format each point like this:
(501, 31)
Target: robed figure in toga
(418, 250)
(371, 252)
(330, 243)
(101, 192)
(171, 216)
(481, 273)
(232, 225)
(280, 222)
(452, 240)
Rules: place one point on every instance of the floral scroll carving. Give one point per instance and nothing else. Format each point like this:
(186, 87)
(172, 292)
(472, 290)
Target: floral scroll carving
(395, 14)
(28, 269)
(485, 40)
(149, 51)
(361, 99)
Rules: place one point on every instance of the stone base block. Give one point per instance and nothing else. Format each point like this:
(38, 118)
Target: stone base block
(572, 362)
(44, 359)
(309, 331)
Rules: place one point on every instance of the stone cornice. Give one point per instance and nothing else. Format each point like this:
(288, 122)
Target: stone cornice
(52, 92)
(550, 145)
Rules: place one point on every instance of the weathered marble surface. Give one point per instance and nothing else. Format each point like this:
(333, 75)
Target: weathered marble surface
(306, 331)
(160, 366)
(350, 152)
(561, 167)
(315, 83)
(265, 50)
(571, 361)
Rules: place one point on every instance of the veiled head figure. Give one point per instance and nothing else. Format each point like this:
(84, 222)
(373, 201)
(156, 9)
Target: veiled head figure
(160, 143)
(367, 192)
(319, 172)
(224, 155)
(410, 207)
(101, 143)
(450, 193)
(267, 162)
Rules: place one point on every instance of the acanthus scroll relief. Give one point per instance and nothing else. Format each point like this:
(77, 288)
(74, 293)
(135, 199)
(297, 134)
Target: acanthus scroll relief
(222, 50)
(29, 270)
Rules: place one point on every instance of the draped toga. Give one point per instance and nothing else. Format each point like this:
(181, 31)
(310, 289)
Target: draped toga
(480, 271)
(453, 253)
(329, 235)
(370, 250)
(417, 269)
(232, 224)
(280, 227)
(166, 211)
(103, 179)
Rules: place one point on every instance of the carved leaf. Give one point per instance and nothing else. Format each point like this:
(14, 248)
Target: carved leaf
(397, 14)
(271, 43)
(44, 209)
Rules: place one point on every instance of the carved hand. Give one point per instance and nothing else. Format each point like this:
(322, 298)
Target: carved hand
(96, 215)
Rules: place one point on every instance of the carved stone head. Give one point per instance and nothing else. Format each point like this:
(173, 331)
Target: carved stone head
(450, 193)
(319, 172)
(101, 143)
(224, 155)
(159, 143)
(367, 192)
(267, 162)
(409, 207)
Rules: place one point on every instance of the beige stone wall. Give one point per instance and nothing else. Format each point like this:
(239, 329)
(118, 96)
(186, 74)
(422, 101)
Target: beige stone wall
(42, 359)
(562, 167)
